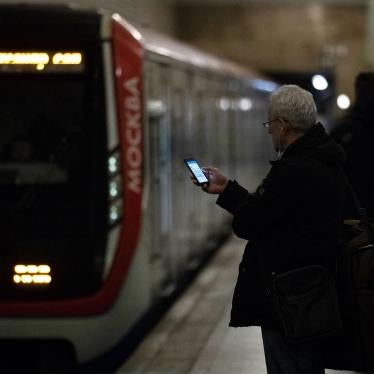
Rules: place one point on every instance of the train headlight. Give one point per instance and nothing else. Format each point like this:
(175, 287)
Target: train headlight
(32, 274)
(115, 188)
(113, 164)
(115, 212)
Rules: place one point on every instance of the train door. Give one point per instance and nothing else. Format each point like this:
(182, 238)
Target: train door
(222, 150)
(181, 187)
(158, 156)
(233, 121)
(198, 214)
(207, 134)
(212, 131)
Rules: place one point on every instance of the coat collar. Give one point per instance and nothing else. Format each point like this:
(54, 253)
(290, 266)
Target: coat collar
(311, 137)
(316, 144)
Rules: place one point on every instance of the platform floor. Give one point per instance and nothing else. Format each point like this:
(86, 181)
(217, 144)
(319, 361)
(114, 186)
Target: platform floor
(194, 337)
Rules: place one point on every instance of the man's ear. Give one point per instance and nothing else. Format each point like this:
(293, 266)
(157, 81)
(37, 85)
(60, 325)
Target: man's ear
(283, 125)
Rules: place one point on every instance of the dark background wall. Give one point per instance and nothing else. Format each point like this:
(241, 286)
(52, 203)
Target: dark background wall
(280, 38)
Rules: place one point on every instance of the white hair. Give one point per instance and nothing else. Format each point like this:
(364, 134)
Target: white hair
(294, 104)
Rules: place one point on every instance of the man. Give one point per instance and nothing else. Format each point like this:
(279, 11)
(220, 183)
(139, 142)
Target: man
(294, 218)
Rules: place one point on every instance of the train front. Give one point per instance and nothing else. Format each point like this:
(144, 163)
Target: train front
(61, 185)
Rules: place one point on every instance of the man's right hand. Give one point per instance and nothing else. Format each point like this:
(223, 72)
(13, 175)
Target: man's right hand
(217, 181)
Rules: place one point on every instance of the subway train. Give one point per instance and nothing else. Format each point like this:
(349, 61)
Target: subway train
(100, 221)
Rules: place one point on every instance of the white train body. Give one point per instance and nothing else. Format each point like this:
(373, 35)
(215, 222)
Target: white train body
(147, 103)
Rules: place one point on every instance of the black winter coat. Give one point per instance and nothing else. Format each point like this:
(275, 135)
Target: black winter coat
(294, 218)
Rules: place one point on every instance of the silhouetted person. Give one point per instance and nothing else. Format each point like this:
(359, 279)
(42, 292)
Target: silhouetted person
(355, 132)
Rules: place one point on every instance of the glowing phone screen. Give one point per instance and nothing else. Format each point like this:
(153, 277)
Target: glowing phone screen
(196, 171)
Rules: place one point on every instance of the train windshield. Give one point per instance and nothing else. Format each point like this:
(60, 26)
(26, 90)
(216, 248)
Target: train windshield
(52, 179)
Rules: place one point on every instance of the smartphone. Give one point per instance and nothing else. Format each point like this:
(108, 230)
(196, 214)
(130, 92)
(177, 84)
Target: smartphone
(196, 171)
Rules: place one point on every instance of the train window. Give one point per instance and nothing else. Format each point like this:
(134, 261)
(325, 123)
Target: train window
(52, 179)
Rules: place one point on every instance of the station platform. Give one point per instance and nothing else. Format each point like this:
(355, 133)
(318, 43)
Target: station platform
(194, 337)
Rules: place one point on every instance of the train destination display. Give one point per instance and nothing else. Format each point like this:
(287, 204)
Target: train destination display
(41, 61)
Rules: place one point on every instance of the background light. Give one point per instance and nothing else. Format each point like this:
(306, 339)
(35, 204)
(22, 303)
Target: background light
(343, 101)
(245, 104)
(319, 82)
(224, 103)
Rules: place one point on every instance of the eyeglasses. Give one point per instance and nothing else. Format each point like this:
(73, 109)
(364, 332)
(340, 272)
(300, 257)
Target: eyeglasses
(267, 124)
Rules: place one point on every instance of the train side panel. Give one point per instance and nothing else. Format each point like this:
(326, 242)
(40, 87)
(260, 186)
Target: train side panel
(160, 110)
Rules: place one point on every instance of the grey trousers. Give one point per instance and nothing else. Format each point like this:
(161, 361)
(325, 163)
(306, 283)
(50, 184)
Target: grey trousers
(284, 358)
